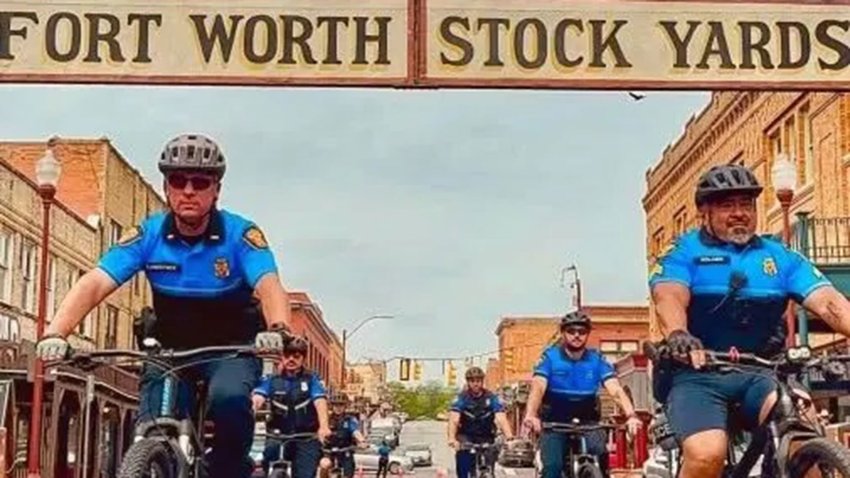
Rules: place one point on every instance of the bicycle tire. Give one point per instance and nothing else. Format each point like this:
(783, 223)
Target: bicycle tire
(589, 470)
(278, 474)
(819, 451)
(146, 454)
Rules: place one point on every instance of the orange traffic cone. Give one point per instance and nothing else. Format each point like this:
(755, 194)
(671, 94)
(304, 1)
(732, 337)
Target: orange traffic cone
(441, 473)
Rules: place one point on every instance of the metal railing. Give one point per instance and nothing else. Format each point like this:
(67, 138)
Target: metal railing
(823, 240)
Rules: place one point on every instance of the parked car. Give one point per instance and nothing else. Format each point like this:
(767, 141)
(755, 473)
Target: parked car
(419, 453)
(368, 460)
(378, 435)
(517, 454)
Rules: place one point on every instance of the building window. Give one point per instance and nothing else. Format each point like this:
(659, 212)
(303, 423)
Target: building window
(789, 138)
(614, 350)
(680, 220)
(28, 271)
(4, 327)
(5, 266)
(115, 232)
(657, 241)
(806, 165)
(111, 340)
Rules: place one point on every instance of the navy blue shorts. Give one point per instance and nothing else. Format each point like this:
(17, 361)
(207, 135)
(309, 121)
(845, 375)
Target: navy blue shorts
(700, 401)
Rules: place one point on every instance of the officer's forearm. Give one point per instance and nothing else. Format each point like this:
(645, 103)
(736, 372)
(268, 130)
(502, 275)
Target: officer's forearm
(832, 307)
(671, 305)
(454, 419)
(535, 397)
(322, 411)
(89, 291)
(504, 425)
(274, 300)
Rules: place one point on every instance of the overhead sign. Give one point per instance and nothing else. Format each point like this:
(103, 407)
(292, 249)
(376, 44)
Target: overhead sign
(215, 42)
(430, 43)
(639, 43)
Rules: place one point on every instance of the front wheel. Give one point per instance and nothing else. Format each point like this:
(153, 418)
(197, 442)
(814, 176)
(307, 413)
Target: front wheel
(278, 474)
(589, 470)
(821, 455)
(148, 459)
(395, 468)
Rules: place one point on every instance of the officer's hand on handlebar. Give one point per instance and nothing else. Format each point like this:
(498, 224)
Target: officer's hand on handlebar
(324, 433)
(454, 444)
(686, 348)
(269, 342)
(532, 424)
(633, 424)
(52, 347)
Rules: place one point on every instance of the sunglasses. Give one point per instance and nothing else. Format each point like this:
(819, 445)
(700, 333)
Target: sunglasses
(199, 183)
(293, 354)
(576, 331)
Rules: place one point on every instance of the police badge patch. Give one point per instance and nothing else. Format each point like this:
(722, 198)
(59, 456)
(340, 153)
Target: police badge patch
(769, 267)
(255, 238)
(222, 268)
(130, 236)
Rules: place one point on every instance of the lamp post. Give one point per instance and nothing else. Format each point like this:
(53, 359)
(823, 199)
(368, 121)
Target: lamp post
(346, 335)
(784, 176)
(47, 171)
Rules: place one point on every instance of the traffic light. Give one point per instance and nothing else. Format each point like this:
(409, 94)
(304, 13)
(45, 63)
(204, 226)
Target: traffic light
(508, 357)
(404, 370)
(451, 374)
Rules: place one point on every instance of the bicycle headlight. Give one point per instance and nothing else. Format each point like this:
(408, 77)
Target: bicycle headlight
(795, 354)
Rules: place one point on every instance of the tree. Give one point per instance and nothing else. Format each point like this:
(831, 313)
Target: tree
(426, 400)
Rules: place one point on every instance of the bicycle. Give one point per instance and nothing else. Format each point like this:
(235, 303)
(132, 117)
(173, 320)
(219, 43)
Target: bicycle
(484, 467)
(578, 462)
(163, 447)
(788, 423)
(334, 454)
(282, 468)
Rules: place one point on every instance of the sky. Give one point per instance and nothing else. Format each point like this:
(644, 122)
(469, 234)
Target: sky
(447, 209)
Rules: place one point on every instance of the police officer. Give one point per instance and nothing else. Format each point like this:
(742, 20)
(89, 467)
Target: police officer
(345, 432)
(566, 383)
(722, 286)
(298, 405)
(204, 265)
(474, 416)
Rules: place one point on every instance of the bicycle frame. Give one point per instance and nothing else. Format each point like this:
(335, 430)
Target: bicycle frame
(479, 450)
(283, 441)
(575, 433)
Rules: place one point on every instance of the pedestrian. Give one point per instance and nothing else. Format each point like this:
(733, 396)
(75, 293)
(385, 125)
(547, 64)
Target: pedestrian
(384, 459)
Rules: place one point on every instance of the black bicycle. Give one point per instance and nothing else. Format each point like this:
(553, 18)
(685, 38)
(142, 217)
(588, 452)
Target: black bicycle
(281, 467)
(791, 442)
(578, 461)
(484, 466)
(335, 454)
(166, 446)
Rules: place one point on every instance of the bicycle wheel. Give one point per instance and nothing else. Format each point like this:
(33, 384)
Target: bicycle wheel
(826, 456)
(589, 470)
(148, 459)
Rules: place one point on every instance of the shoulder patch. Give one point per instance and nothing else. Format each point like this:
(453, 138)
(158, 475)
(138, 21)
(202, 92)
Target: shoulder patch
(130, 236)
(255, 238)
(656, 270)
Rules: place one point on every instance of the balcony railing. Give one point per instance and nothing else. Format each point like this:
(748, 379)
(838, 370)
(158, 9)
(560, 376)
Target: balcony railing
(823, 240)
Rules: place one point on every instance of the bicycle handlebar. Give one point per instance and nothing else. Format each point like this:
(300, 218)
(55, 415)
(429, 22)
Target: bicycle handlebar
(576, 427)
(159, 353)
(283, 437)
(344, 449)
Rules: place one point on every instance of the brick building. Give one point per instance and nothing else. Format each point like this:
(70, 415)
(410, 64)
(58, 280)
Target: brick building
(367, 380)
(752, 128)
(325, 349)
(617, 331)
(100, 185)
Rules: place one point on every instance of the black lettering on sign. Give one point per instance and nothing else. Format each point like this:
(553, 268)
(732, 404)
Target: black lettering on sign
(749, 45)
(290, 39)
(602, 43)
(51, 41)
(680, 44)
(493, 24)
(96, 37)
(143, 39)
(8, 30)
(823, 36)
(333, 23)
(363, 38)
(802, 32)
(219, 34)
(250, 39)
(540, 43)
(561, 41)
(447, 35)
(716, 46)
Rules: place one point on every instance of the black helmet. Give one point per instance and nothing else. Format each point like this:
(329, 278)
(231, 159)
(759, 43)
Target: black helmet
(575, 318)
(339, 399)
(474, 372)
(193, 152)
(726, 179)
(296, 345)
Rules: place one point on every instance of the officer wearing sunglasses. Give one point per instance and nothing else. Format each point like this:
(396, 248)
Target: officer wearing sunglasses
(565, 387)
(205, 266)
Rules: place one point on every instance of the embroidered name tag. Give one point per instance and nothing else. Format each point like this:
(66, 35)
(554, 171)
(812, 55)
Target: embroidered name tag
(711, 260)
(162, 267)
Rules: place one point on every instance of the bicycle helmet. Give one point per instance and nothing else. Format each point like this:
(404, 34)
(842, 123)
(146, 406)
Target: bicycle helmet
(473, 373)
(726, 179)
(296, 345)
(194, 152)
(339, 399)
(577, 318)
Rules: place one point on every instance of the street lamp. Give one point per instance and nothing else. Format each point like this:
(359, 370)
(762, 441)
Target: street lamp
(346, 335)
(47, 172)
(784, 177)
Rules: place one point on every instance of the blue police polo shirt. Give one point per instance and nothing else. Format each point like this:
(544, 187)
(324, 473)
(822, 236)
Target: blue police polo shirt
(313, 386)
(463, 399)
(572, 386)
(202, 287)
(738, 293)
